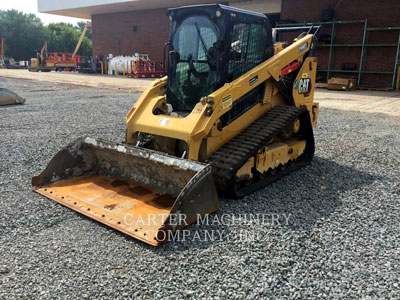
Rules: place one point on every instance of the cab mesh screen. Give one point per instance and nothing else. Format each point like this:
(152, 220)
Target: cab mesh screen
(247, 51)
(248, 42)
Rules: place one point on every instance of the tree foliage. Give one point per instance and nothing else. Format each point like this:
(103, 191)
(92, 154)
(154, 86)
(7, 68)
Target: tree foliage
(81, 25)
(64, 37)
(25, 34)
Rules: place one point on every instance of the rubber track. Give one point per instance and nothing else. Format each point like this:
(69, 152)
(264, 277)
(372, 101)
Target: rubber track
(227, 160)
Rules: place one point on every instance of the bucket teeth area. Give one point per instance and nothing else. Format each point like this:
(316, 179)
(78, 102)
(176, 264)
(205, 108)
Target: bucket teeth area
(134, 190)
(125, 205)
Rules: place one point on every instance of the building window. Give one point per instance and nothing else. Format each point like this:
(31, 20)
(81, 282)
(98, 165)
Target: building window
(134, 28)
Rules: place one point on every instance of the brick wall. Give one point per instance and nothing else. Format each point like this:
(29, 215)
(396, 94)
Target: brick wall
(380, 13)
(114, 33)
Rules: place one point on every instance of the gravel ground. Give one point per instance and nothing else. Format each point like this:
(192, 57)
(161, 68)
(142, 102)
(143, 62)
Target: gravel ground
(340, 240)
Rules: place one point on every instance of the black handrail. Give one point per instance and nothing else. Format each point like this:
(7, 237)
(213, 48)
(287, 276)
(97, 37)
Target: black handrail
(164, 56)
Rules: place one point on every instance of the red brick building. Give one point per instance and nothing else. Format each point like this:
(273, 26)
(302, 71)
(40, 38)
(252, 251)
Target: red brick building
(122, 27)
(125, 33)
(378, 13)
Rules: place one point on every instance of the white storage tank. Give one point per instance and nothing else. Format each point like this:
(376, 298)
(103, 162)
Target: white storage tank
(120, 61)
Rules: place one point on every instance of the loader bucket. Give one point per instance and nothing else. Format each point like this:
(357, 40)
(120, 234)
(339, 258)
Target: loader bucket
(143, 193)
(7, 97)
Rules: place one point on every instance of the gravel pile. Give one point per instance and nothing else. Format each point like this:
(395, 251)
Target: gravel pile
(330, 230)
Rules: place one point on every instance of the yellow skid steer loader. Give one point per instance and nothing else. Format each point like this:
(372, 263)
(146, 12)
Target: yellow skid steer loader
(235, 113)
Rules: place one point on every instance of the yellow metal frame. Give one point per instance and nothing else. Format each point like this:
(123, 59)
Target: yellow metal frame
(277, 153)
(78, 45)
(196, 126)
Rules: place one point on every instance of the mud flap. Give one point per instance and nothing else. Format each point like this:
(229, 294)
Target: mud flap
(7, 98)
(143, 193)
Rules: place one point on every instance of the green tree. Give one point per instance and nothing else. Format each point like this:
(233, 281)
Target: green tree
(81, 25)
(23, 34)
(64, 37)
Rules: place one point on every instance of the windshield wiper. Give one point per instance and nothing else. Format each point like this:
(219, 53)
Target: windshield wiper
(202, 42)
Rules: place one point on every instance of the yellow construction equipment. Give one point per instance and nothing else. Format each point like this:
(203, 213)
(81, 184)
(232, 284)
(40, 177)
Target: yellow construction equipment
(233, 115)
(2, 57)
(40, 62)
(57, 61)
(78, 45)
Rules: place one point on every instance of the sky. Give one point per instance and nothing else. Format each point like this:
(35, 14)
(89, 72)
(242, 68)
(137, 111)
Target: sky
(30, 6)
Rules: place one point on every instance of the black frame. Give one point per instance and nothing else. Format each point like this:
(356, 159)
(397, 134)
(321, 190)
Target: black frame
(225, 22)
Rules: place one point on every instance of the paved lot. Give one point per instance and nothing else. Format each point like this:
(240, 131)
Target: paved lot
(341, 240)
(363, 101)
(73, 78)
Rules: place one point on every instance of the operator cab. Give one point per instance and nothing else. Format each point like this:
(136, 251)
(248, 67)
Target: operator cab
(211, 45)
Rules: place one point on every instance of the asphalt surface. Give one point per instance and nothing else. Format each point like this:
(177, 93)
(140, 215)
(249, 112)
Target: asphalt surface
(329, 231)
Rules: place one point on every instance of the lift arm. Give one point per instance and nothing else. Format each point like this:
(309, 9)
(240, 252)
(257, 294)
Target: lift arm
(78, 45)
(2, 48)
(44, 50)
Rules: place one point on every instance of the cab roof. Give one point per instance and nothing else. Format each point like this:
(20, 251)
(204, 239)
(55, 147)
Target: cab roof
(182, 11)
